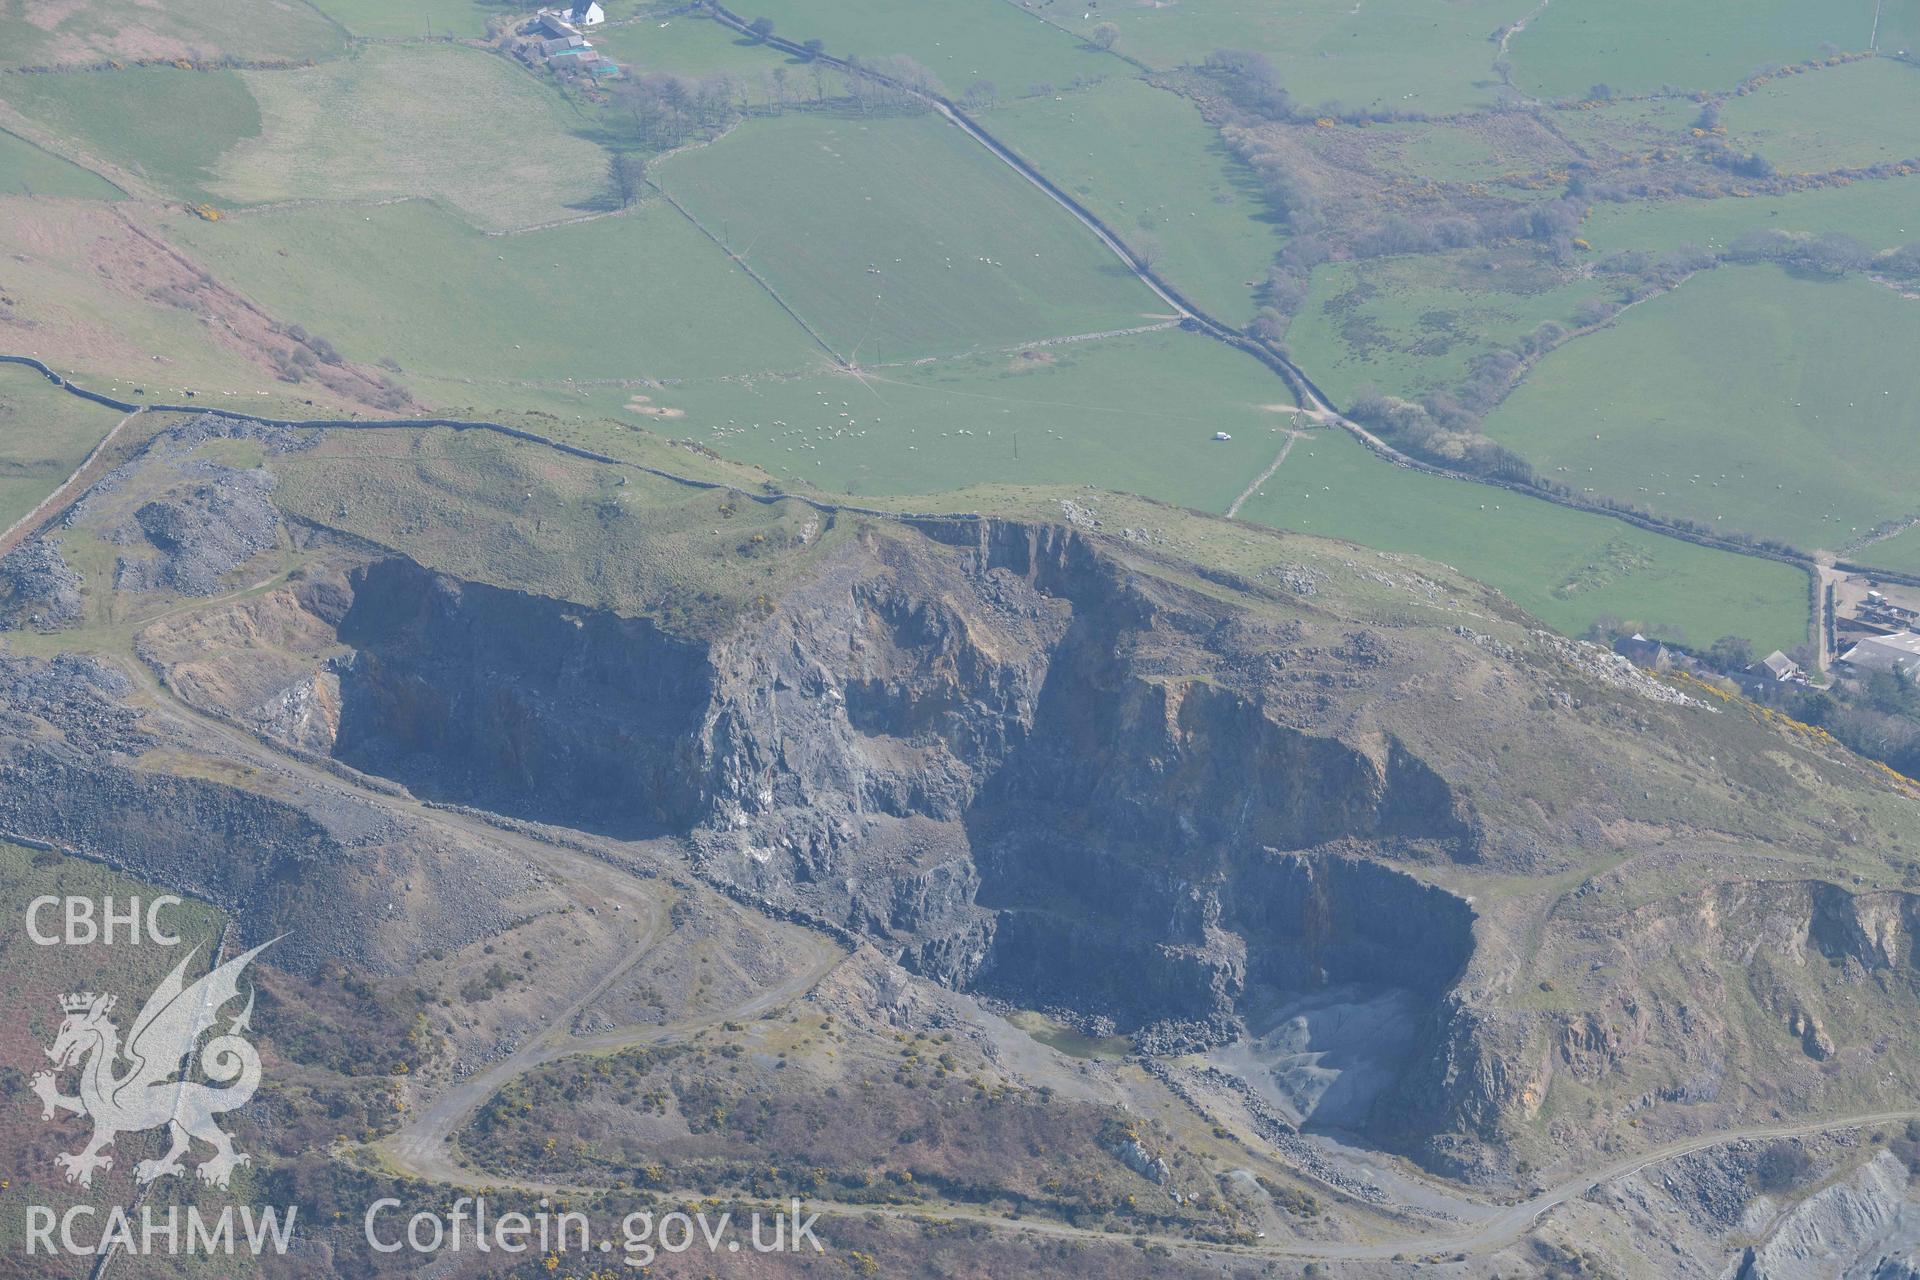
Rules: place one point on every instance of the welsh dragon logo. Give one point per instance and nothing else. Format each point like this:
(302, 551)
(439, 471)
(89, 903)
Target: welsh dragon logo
(152, 1090)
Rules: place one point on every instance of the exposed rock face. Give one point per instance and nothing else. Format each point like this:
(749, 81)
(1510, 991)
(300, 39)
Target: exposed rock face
(320, 868)
(1793, 950)
(1012, 762)
(1143, 1162)
(1901, 1268)
(203, 536)
(1017, 764)
(975, 752)
(37, 589)
(520, 704)
(1108, 935)
(1841, 1230)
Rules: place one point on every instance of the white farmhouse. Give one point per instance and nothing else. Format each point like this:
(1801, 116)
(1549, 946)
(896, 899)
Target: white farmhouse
(559, 23)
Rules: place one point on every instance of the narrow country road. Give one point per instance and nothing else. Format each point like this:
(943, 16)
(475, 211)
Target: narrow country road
(1503, 1228)
(1825, 579)
(1305, 391)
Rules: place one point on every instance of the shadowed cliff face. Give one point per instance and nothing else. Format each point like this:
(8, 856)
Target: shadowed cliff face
(1137, 855)
(993, 747)
(1071, 765)
(324, 869)
(519, 704)
(1263, 921)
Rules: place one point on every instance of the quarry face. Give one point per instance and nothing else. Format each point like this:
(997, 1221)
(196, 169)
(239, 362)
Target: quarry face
(1316, 899)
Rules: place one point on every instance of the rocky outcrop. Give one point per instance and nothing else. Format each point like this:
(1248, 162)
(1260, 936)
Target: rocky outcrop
(1019, 766)
(1789, 990)
(37, 589)
(1075, 771)
(202, 535)
(988, 746)
(1112, 936)
(995, 755)
(1143, 1162)
(1840, 1230)
(323, 869)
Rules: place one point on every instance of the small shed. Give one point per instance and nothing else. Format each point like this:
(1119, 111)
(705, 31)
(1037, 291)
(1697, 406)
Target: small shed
(586, 13)
(1643, 652)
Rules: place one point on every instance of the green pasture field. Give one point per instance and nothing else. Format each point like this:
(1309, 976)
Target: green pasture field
(44, 433)
(1882, 213)
(900, 237)
(455, 124)
(1136, 413)
(1157, 173)
(1851, 116)
(1633, 126)
(1899, 28)
(641, 295)
(1410, 326)
(1411, 55)
(108, 337)
(520, 516)
(27, 170)
(686, 45)
(165, 125)
(1746, 398)
(1640, 46)
(961, 41)
(1902, 551)
(1482, 149)
(90, 31)
(1565, 567)
(465, 19)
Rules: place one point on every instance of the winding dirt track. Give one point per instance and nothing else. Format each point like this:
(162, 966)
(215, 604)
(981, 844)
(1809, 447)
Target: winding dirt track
(1502, 1227)
(423, 1146)
(1293, 437)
